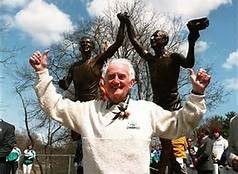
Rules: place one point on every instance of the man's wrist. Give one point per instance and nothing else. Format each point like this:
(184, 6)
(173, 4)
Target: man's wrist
(197, 93)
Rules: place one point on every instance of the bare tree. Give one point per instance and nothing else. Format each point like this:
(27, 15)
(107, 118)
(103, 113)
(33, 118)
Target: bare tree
(35, 119)
(25, 105)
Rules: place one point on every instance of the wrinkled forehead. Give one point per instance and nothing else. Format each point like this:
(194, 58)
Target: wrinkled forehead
(118, 67)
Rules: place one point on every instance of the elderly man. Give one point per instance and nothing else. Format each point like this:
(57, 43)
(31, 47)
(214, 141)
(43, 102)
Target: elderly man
(118, 124)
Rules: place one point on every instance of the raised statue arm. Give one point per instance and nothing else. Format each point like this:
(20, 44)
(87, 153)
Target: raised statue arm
(132, 36)
(194, 26)
(116, 45)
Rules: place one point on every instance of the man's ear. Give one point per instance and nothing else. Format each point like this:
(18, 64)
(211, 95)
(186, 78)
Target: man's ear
(101, 81)
(132, 82)
(103, 91)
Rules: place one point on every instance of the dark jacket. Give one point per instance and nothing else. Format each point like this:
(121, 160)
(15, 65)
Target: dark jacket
(204, 155)
(7, 138)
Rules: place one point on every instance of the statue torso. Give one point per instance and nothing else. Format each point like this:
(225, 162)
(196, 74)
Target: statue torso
(85, 78)
(164, 73)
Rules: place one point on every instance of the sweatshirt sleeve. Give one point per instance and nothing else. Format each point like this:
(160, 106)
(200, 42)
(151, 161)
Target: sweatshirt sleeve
(181, 122)
(63, 110)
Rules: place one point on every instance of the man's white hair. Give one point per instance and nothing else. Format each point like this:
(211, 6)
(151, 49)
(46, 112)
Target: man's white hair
(118, 61)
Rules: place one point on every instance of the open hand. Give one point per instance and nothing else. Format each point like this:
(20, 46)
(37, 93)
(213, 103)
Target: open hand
(199, 81)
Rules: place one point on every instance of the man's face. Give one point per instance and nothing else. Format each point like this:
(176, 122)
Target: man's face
(189, 141)
(117, 82)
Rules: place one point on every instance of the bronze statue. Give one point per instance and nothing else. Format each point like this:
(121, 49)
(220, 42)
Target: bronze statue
(85, 73)
(164, 67)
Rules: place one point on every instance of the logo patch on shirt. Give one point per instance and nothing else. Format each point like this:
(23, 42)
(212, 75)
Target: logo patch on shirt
(132, 125)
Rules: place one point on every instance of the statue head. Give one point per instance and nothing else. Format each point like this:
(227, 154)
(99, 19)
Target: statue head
(159, 39)
(86, 44)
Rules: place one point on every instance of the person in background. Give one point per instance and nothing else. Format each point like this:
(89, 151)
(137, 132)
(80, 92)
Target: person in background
(232, 154)
(117, 124)
(179, 151)
(203, 161)
(155, 158)
(79, 152)
(28, 157)
(13, 159)
(7, 141)
(191, 153)
(219, 146)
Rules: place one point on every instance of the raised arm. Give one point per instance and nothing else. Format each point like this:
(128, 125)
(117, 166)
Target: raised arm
(180, 122)
(193, 26)
(51, 102)
(199, 81)
(189, 60)
(39, 61)
(116, 45)
(132, 36)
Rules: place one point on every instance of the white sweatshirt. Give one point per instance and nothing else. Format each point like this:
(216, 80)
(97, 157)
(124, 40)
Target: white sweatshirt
(120, 147)
(219, 145)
